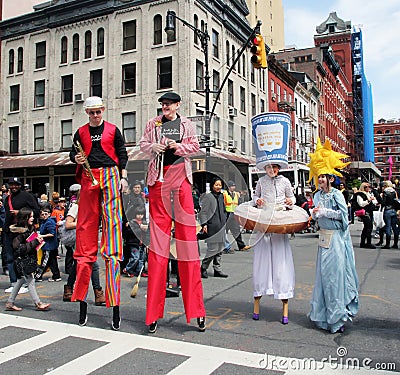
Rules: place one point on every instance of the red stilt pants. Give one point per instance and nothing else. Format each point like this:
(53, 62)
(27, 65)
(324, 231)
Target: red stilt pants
(174, 193)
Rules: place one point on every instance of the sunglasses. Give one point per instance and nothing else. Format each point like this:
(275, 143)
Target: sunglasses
(91, 113)
(166, 104)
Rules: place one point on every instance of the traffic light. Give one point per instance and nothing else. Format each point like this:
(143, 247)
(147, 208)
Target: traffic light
(259, 58)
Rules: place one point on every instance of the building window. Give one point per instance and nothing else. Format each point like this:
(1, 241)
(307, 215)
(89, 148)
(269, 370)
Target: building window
(75, 47)
(253, 105)
(157, 38)
(233, 57)
(196, 25)
(228, 61)
(278, 93)
(100, 42)
(11, 56)
(38, 130)
(66, 134)
(262, 79)
(14, 98)
(20, 61)
(216, 82)
(129, 35)
(230, 130)
(129, 127)
(88, 44)
(199, 125)
(40, 55)
(230, 93)
(164, 73)
(244, 65)
(242, 139)
(14, 139)
(215, 44)
(252, 74)
(39, 94)
(272, 86)
(199, 75)
(262, 105)
(64, 50)
(66, 89)
(216, 131)
(96, 83)
(242, 99)
(128, 79)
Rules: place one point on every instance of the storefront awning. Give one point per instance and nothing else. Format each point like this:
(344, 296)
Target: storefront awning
(34, 160)
(134, 154)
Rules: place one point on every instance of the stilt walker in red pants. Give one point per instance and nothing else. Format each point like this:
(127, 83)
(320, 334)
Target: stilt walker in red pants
(171, 139)
(99, 150)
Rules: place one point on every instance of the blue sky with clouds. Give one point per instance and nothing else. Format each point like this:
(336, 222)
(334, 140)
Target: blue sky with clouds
(380, 25)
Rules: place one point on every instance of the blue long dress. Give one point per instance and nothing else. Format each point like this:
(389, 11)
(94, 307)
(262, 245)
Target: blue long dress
(335, 294)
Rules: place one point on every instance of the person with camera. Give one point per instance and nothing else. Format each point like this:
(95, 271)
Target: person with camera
(365, 203)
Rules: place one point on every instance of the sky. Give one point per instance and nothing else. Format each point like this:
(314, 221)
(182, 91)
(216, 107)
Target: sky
(13, 8)
(378, 20)
(380, 25)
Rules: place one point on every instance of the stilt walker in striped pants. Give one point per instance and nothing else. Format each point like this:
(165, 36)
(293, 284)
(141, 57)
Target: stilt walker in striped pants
(101, 172)
(170, 139)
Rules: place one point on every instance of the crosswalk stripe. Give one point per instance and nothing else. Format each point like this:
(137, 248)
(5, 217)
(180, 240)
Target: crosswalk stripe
(202, 359)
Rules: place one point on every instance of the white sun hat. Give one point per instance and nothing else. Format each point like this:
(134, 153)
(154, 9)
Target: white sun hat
(93, 102)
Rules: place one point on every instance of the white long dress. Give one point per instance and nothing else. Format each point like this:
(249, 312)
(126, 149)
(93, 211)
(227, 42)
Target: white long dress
(273, 268)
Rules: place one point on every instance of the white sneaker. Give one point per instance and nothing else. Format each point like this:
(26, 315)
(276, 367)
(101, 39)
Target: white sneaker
(9, 290)
(23, 290)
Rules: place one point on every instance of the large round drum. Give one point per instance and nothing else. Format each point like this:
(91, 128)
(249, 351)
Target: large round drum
(272, 219)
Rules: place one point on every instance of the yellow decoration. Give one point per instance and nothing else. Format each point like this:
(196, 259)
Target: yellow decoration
(325, 161)
(158, 123)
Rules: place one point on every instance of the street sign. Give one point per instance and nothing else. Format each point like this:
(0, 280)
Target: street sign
(207, 144)
(197, 118)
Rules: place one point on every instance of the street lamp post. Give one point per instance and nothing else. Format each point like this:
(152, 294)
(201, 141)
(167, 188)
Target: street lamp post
(204, 37)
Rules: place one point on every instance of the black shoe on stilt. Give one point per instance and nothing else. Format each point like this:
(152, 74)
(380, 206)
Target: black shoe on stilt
(201, 322)
(116, 320)
(82, 313)
(153, 327)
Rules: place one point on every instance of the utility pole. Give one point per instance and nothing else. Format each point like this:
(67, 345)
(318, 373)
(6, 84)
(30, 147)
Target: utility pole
(258, 60)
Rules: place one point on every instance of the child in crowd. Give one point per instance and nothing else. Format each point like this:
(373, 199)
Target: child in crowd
(23, 248)
(48, 231)
(136, 238)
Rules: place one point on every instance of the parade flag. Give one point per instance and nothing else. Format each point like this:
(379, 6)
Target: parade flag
(390, 161)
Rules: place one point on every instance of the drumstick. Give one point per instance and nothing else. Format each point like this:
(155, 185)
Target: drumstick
(136, 285)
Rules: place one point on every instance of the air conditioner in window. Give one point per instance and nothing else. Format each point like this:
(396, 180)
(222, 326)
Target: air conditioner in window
(232, 145)
(232, 112)
(79, 98)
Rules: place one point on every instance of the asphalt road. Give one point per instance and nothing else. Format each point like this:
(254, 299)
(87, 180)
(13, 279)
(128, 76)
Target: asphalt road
(371, 340)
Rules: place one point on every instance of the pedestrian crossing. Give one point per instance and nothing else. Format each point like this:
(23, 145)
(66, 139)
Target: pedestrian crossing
(33, 346)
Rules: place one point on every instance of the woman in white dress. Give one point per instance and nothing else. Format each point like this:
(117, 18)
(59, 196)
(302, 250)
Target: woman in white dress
(273, 269)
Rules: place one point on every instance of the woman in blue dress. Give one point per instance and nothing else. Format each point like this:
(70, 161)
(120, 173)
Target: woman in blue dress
(335, 295)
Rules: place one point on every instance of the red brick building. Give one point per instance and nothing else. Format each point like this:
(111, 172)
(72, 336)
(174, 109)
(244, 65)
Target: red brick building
(329, 64)
(387, 143)
(281, 94)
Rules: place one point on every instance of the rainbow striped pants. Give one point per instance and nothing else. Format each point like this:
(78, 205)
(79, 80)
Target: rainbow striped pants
(95, 202)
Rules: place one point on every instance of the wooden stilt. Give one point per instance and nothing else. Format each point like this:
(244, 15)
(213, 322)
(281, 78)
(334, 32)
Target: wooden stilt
(257, 305)
(285, 311)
